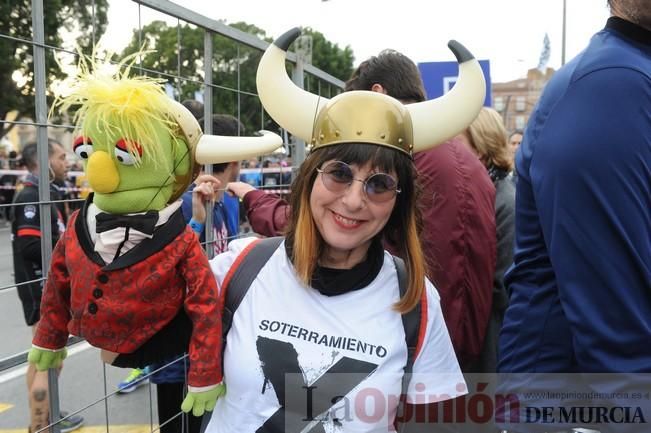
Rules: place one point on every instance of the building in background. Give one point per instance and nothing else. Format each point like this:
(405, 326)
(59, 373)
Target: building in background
(515, 100)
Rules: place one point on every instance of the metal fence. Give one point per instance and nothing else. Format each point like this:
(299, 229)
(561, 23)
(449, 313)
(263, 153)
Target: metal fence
(88, 386)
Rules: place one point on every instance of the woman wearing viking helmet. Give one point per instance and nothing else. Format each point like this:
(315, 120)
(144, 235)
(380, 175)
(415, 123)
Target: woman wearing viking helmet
(332, 319)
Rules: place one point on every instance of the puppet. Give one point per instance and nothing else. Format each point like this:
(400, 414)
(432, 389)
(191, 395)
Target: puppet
(128, 275)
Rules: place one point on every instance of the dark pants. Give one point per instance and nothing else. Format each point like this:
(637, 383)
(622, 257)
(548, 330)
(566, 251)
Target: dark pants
(170, 396)
(171, 341)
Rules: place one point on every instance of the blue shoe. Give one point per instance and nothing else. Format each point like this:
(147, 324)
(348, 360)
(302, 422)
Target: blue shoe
(136, 378)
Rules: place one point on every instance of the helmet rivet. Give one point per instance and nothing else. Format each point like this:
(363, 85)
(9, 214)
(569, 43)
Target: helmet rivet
(359, 132)
(400, 140)
(383, 136)
(337, 133)
(321, 136)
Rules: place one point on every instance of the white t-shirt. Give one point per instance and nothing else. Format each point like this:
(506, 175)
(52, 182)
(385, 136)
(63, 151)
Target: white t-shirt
(349, 348)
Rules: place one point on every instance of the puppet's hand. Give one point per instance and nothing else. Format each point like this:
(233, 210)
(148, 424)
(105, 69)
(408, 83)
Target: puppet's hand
(45, 359)
(199, 402)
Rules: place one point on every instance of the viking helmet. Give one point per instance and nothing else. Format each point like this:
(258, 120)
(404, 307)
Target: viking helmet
(364, 116)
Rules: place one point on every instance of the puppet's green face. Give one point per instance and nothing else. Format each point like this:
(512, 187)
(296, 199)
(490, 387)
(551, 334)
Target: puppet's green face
(124, 177)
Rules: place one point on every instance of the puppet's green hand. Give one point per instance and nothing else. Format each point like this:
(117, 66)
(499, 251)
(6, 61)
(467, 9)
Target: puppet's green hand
(46, 359)
(199, 402)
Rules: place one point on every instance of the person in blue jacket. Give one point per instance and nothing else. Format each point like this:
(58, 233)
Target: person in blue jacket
(580, 283)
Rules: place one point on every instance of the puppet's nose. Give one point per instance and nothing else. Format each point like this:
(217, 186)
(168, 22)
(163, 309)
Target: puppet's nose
(102, 174)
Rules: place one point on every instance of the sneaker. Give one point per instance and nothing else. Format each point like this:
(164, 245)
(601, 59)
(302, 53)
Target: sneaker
(73, 422)
(136, 378)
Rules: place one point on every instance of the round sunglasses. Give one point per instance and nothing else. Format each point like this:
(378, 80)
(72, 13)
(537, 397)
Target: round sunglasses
(337, 177)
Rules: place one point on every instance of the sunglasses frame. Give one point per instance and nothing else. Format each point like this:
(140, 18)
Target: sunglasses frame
(322, 171)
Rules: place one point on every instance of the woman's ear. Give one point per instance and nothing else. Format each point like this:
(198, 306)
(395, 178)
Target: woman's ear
(181, 156)
(377, 87)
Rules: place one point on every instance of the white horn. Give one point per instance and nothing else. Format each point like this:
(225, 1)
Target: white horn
(215, 149)
(293, 108)
(442, 118)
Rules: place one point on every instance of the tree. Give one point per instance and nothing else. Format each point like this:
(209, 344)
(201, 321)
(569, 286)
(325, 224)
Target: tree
(16, 67)
(329, 58)
(232, 63)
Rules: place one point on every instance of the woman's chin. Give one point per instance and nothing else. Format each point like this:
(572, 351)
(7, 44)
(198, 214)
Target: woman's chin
(342, 243)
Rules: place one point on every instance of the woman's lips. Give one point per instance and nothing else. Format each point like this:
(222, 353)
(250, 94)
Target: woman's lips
(346, 223)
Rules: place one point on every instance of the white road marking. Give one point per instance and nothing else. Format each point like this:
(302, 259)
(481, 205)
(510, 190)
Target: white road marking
(22, 370)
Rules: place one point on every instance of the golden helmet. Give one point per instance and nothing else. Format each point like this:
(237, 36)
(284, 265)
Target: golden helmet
(365, 116)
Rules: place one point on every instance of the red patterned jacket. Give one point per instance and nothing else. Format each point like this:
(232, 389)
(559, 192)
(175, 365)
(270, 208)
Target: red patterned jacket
(118, 307)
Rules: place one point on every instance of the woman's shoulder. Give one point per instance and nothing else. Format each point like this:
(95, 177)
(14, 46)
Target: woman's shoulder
(238, 245)
(222, 263)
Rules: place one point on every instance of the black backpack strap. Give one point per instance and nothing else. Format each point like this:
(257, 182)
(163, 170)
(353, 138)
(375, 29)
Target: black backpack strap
(410, 322)
(247, 266)
(414, 327)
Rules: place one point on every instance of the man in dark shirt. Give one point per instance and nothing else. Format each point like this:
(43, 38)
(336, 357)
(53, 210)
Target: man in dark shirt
(28, 265)
(26, 226)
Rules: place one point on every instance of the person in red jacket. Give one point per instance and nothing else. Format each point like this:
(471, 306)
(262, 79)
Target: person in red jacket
(459, 217)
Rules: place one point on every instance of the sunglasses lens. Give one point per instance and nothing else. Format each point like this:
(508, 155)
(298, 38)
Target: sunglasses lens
(381, 187)
(337, 176)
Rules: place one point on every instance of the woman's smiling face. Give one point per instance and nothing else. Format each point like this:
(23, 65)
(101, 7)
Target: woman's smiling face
(348, 220)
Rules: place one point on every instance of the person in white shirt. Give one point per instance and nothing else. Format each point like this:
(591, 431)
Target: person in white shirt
(318, 342)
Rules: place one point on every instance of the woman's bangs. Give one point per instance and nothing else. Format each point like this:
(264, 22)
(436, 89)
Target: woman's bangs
(381, 158)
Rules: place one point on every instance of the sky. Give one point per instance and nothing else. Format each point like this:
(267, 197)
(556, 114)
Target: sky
(508, 33)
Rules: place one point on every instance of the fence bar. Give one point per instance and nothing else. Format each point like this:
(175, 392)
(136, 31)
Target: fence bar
(207, 125)
(43, 175)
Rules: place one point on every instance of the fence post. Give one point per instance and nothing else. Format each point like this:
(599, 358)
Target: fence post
(43, 174)
(207, 127)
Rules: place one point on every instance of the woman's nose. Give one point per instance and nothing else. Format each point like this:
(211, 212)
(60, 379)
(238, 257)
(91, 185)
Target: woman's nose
(355, 197)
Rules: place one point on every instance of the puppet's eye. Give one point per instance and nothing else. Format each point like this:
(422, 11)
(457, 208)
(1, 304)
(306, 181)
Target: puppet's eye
(122, 152)
(83, 147)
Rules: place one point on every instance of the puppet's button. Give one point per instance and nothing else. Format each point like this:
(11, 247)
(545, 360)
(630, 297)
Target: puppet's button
(92, 308)
(103, 278)
(97, 293)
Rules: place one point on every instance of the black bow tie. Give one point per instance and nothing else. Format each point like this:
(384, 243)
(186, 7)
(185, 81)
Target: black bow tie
(143, 223)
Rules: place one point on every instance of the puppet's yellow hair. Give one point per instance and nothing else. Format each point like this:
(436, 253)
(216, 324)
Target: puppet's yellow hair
(133, 107)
